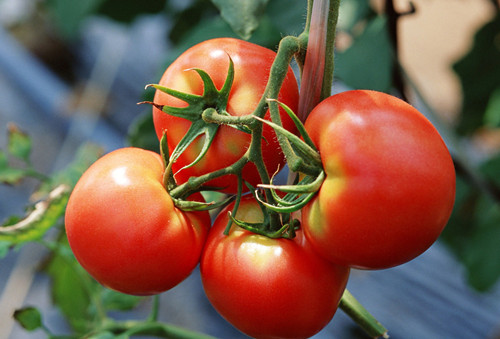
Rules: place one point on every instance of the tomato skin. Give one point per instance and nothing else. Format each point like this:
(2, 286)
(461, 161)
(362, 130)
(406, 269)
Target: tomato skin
(390, 181)
(269, 288)
(252, 64)
(124, 228)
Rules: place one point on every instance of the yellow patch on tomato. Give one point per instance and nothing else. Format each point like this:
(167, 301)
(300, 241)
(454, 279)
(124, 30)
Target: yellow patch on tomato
(261, 251)
(243, 99)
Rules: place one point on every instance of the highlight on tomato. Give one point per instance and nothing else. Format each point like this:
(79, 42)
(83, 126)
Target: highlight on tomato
(268, 288)
(124, 229)
(252, 64)
(390, 181)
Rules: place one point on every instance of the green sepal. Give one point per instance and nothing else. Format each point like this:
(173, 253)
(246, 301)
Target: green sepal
(168, 177)
(300, 126)
(297, 196)
(196, 129)
(211, 96)
(286, 231)
(189, 205)
(307, 153)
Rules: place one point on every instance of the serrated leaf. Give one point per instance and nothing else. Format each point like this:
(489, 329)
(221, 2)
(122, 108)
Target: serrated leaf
(29, 318)
(45, 214)
(19, 143)
(367, 63)
(242, 15)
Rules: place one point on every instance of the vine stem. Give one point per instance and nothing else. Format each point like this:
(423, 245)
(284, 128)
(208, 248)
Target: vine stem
(317, 75)
(361, 316)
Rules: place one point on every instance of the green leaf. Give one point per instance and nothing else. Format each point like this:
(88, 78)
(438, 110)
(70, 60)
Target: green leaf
(242, 15)
(142, 133)
(9, 175)
(479, 74)
(352, 12)
(287, 16)
(186, 19)
(127, 10)
(29, 318)
(492, 113)
(68, 15)
(113, 300)
(71, 288)
(4, 248)
(106, 335)
(474, 229)
(40, 219)
(367, 63)
(19, 143)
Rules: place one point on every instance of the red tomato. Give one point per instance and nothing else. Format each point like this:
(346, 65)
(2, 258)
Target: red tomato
(269, 288)
(390, 181)
(251, 65)
(124, 228)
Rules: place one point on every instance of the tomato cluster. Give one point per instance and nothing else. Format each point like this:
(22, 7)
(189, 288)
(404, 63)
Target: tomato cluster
(388, 191)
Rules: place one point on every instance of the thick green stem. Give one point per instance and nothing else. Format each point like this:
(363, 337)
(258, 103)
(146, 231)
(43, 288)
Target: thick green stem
(288, 47)
(150, 328)
(317, 75)
(194, 183)
(361, 316)
(155, 308)
(330, 47)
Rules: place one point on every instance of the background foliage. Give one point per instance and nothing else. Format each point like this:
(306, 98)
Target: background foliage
(369, 61)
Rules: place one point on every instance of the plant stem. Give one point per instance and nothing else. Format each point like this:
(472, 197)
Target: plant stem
(155, 308)
(361, 316)
(317, 75)
(330, 47)
(153, 328)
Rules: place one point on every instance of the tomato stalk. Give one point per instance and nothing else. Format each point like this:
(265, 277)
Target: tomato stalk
(317, 73)
(361, 316)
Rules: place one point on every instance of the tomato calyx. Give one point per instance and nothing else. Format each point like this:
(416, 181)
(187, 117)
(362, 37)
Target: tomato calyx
(302, 157)
(274, 225)
(297, 195)
(181, 200)
(206, 113)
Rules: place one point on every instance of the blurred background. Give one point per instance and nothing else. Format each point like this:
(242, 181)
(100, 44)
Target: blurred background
(72, 72)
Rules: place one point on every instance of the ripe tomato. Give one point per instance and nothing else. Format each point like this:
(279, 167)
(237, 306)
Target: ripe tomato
(390, 181)
(251, 66)
(269, 288)
(124, 228)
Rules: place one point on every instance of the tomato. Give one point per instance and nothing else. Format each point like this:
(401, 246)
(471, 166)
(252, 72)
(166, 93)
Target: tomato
(390, 181)
(124, 228)
(269, 288)
(252, 64)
